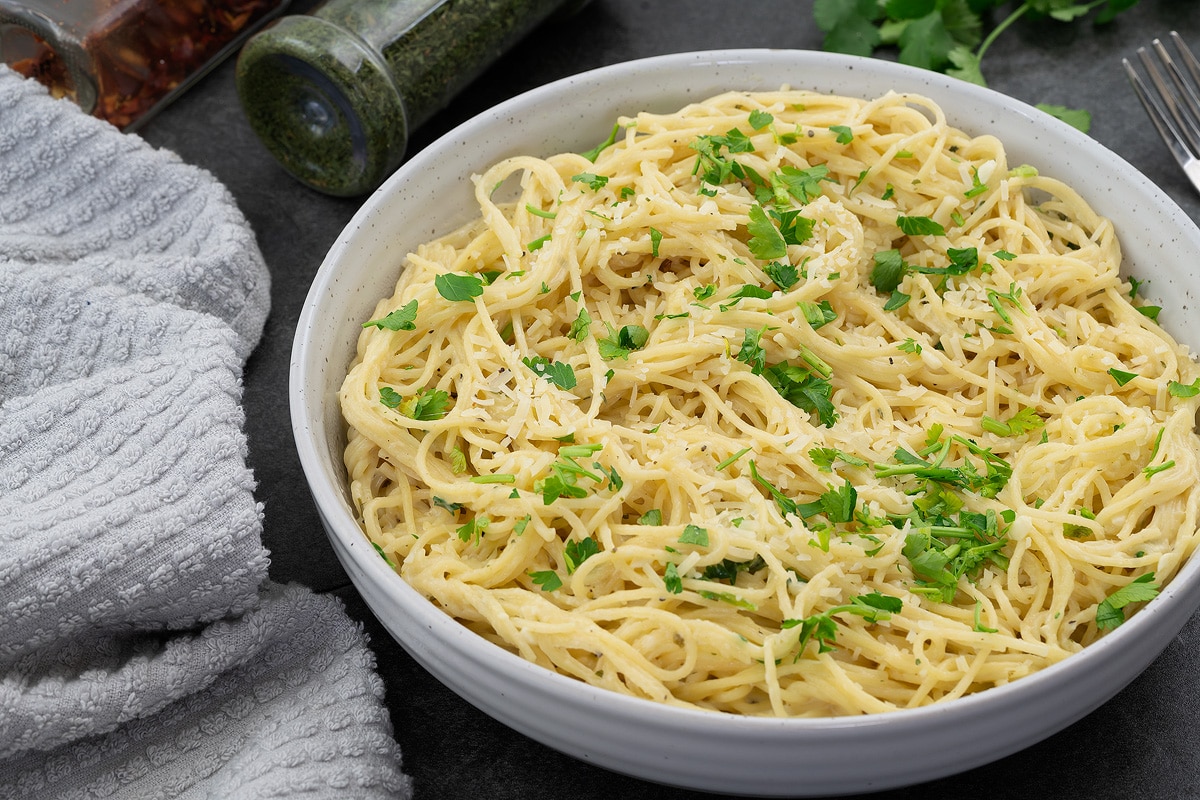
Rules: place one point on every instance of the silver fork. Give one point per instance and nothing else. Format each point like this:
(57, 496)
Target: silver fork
(1174, 106)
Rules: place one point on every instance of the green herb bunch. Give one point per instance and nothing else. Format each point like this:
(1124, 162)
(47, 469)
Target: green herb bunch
(948, 36)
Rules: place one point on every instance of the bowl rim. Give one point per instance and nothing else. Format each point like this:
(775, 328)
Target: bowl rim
(1177, 600)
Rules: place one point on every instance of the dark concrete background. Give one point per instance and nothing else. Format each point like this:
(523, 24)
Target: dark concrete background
(1145, 743)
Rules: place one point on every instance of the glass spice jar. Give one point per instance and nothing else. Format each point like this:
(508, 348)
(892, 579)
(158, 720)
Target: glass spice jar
(335, 94)
(122, 59)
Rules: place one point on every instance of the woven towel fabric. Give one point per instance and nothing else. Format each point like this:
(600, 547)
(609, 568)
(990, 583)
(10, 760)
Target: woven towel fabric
(144, 651)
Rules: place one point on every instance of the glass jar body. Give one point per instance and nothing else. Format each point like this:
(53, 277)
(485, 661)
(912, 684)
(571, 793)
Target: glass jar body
(335, 94)
(120, 60)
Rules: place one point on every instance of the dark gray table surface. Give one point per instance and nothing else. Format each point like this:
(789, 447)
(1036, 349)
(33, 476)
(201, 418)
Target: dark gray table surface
(1145, 743)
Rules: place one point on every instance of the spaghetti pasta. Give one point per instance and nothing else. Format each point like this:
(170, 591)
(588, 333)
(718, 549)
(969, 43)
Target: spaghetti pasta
(785, 404)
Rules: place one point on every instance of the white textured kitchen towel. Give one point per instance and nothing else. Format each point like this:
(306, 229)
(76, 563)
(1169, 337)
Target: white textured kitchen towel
(143, 650)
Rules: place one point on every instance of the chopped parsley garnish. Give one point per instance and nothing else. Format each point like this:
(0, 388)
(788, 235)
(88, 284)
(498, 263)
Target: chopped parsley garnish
(766, 241)
(727, 570)
(537, 212)
(455, 287)
(547, 579)
(1023, 421)
(822, 628)
(402, 319)
(672, 580)
(383, 555)
(817, 314)
(823, 458)
(844, 134)
(802, 184)
(651, 517)
(581, 326)
(805, 389)
(1177, 389)
(909, 345)
(760, 119)
(426, 405)
(496, 477)
(575, 552)
(785, 276)
(473, 529)
(655, 240)
(694, 534)
(535, 245)
(594, 153)
(1013, 296)
(920, 226)
(732, 458)
(1121, 376)
(559, 373)
(888, 271)
(590, 180)
(1110, 612)
(619, 344)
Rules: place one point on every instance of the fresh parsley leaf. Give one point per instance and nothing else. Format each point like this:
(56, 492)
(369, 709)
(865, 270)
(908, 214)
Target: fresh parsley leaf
(619, 344)
(1177, 389)
(1022, 422)
(655, 240)
(547, 579)
(651, 517)
(473, 528)
(766, 242)
(591, 180)
(575, 552)
(1075, 117)
(804, 184)
(804, 389)
(888, 271)
(760, 119)
(581, 327)
(727, 569)
(672, 580)
(919, 226)
(390, 397)
(785, 276)
(844, 134)
(847, 25)
(456, 287)
(751, 352)
(694, 534)
(823, 458)
(559, 373)
(817, 314)
(426, 405)
(1110, 611)
(402, 319)
(1121, 376)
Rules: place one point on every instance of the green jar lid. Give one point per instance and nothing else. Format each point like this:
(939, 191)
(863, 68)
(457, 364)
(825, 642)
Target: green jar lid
(324, 103)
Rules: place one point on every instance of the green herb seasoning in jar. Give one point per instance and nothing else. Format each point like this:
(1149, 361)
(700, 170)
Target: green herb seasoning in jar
(334, 94)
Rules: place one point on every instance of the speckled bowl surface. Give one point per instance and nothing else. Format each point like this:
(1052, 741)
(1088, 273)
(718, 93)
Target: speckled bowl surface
(432, 194)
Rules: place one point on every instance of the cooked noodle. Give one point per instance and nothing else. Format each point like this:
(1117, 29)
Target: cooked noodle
(733, 506)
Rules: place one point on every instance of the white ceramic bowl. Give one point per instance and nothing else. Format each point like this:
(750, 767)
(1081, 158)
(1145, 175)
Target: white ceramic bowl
(431, 194)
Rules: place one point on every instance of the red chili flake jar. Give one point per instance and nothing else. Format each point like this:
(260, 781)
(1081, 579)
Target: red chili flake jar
(122, 59)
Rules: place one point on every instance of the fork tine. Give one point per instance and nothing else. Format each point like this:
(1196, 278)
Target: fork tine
(1173, 109)
(1159, 115)
(1187, 110)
